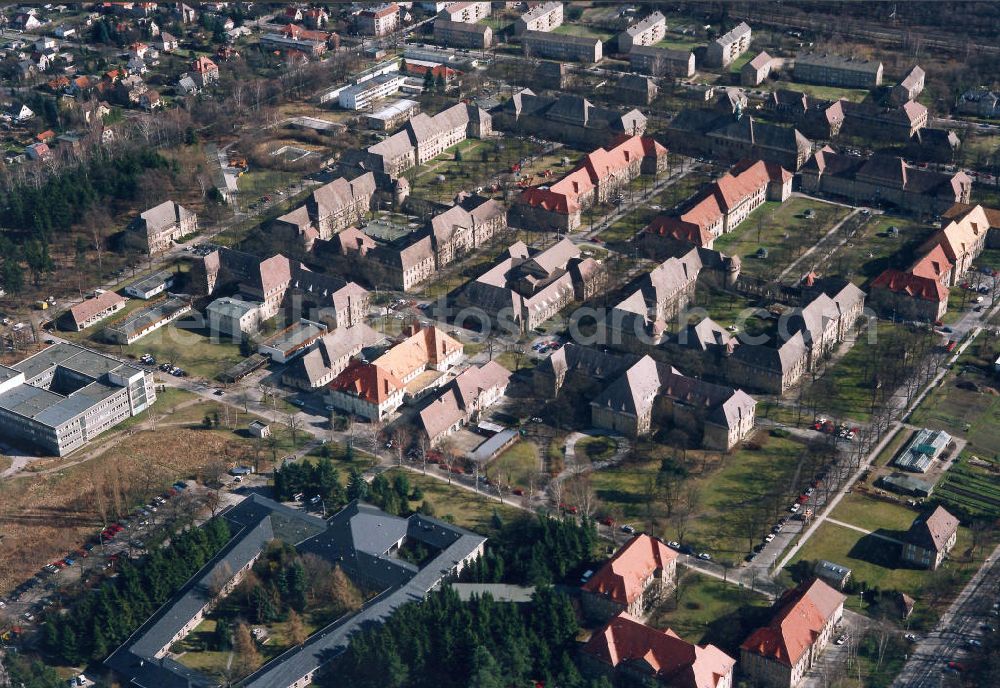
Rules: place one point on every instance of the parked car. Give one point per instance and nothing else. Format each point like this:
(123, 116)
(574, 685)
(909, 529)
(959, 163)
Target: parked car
(673, 544)
(705, 556)
(841, 639)
(628, 529)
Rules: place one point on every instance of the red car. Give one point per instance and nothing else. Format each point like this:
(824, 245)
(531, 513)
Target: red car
(957, 666)
(803, 498)
(608, 521)
(518, 491)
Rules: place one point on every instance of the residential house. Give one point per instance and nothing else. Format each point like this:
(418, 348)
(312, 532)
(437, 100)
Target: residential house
(187, 86)
(866, 119)
(933, 145)
(544, 16)
(329, 357)
(38, 151)
(380, 20)
(662, 61)
(884, 179)
(909, 87)
(567, 118)
(150, 100)
(205, 71)
(628, 650)
(632, 580)
(719, 208)
(524, 288)
(157, 228)
(167, 42)
(600, 177)
(463, 399)
(729, 46)
(647, 31)
(556, 46)
(930, 538)
(756, 71)
(802, 623)
(19, 112)
(980, 102)
(330, 208)
(749, 138)
(836, 70)
(91, 311)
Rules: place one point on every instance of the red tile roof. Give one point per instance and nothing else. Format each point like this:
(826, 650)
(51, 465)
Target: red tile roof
(680, 229)
(800, 616)
(203, 64)
(934, 264)
(368, 381)
(927, 288)
(85, 310)
(679, 663)
(622, 579)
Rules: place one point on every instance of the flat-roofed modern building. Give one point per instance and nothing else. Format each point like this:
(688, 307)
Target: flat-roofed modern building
(393, 114)
(559, 46)
(150, 286)
(66, 395)
(836, 70)
(360, 96)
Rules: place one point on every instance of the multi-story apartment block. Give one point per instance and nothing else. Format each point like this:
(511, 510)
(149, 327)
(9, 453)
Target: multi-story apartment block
(66, 395)
(662, 61)
(756, 70)
(379, 21)
(647, 31)
(157, 228)
(779, 654)
(569, 119)
(362, 95)
(835, 70)
(542, 17)
(466, 12)
(393, 114)
(729, 46)
(562, 46)
(462, 34)
(329, 358)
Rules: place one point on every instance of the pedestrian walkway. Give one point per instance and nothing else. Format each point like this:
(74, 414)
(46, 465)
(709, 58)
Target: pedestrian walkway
(866, 532)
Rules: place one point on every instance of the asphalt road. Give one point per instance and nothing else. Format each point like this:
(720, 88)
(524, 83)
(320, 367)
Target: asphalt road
(974, 607)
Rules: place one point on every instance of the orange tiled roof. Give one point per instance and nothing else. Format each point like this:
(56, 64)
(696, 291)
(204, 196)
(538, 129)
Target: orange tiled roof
(428, 346)
(680, 229)
(671, 659)
(367, 381)
(622, 579)
(800, 616)
(934, 264)
(917, 286)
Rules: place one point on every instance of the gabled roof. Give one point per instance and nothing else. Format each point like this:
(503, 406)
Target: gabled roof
(457, 400)
(367, 381)
(622, 579)
(958, 236)
(932, 531)
(85, 310)
(663, 654)
(343, 341)
(799, 617)
(429, 346)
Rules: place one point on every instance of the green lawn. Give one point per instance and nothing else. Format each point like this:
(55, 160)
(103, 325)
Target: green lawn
(709, 611)
(518, 466)
(875, 561)
(746, 480)
(827, 92)
(736, 65)
(595, 448)
(258, 182)
(456, 504)
(866, 255)
(582, 30)
(872, 514)
(677, 42)
(783, 230)
(191, 350)
(972, 414)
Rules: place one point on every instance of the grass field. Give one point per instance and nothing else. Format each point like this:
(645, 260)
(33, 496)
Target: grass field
(582, 30)
(724, 493)
(783, 230)
(872, 514)
(456, 504)
(595, 448)
(709, 611)
(827, 92)
(517, 466)
(875, 561)
(675, 42)
(867, 255)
